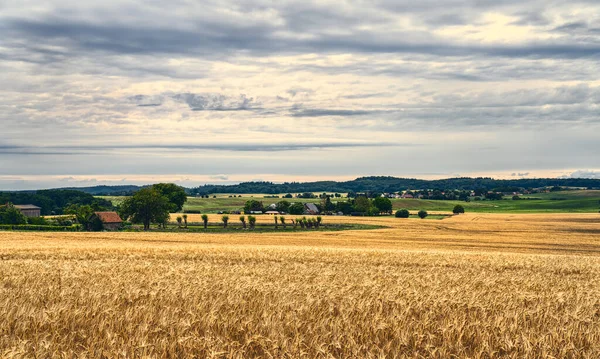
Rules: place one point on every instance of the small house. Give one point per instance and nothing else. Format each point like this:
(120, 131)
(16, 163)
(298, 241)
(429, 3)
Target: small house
(110, 220)
(29, 210)
(272, 212)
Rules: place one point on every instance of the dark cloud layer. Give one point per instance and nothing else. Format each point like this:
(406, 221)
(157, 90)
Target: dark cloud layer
(216, 40)
(236, 147)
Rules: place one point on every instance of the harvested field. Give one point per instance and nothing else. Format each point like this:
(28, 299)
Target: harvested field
(476, 286)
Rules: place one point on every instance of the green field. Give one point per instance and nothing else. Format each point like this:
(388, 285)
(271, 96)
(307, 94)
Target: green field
(557, 202)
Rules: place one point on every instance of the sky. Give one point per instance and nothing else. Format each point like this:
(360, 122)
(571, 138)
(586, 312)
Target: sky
(193, 92)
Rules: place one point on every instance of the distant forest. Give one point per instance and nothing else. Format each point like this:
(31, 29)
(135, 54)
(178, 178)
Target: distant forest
(365, 184)
(55, 201)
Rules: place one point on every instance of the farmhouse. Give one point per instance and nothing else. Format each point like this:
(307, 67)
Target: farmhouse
(29, 210)
(311, 208)
(110, 220)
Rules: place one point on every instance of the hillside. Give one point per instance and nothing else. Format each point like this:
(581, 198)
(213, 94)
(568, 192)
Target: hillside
(363, 184)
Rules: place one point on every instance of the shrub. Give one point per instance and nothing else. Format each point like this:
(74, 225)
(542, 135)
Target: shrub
(402, 213)
(38, 221)
(9, 214)
(296, 208)
(422, 214)
(30, 227)
(62, 221)
(458, 209)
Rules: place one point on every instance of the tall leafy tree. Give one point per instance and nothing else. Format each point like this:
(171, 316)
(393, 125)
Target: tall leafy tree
(283, 206)
(383, 204)
(327, 205)
(362, 204)
(146, 206)
(174, 193)
(9, 214)
(84, 214)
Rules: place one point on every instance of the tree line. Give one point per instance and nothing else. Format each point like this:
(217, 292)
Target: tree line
(54, 202)
(381, 184)
(393, 184)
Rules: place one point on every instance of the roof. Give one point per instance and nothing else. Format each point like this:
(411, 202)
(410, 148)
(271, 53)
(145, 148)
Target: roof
(271, 212)
(27, 206)
(311, 207)
(109, 217)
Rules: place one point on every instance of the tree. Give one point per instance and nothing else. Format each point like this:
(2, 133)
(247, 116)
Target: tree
(276, 222)
(83, 214)
(95, 224)
(327, 205)
(458, 209)
(362, 204)
(253, 206)
(383, 204)
(179, 221)
(296, 208)
(9, 214)
(494, 196)
(175, 194)
(402, 213)
(252, 221)
(146, 206)
(282, 220)
(344, 206)
(283, 206)
(422, 214)
(225, 219)
(289, 195)
(243, 220)
(205, 220)
(185, 217)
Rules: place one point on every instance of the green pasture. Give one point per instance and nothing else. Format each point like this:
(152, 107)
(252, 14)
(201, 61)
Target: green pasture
(580, 201)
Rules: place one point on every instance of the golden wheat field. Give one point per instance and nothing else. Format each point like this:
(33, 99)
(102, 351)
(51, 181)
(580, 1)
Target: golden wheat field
(470, 286)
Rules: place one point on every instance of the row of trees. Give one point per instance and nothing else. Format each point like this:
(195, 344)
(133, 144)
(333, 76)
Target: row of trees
(250, 221)
(361, 204)
(404, 213)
